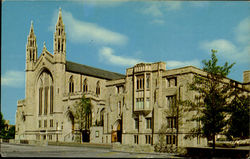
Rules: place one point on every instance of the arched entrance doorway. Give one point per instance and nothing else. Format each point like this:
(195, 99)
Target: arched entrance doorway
(86, 131)
(116, 135)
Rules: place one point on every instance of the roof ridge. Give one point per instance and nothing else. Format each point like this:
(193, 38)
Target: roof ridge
(92, 71)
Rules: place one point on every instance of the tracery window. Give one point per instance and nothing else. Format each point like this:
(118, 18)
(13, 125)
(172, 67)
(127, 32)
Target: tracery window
(171, 101)
(45, 93)
(140, 82)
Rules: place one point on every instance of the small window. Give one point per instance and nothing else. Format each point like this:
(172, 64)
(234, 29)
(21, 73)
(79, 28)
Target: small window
(171, 139)
(136, 141)
(171, 82)
(120, 89)
(96, 134)
(171, 122)
(51, 123)
(136, 123)
(148, 139)
(171, 101)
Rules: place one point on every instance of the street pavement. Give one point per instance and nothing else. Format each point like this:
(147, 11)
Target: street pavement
(22, 150)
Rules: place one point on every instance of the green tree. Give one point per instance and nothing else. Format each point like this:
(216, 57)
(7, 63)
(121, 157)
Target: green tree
(212, 96)
(239, 119)
(80, 113)
(11, 132)
(2, 127)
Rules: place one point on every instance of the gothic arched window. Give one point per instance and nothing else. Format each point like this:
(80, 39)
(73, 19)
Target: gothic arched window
(98, 88)
(102, 117)
(85, 86)
(45, 93)
(71, 85)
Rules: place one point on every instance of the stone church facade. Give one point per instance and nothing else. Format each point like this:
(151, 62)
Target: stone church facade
(129, 109)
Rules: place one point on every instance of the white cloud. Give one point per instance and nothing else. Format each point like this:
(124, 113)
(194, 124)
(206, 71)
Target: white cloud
(153, 10)
(84, 32)
(104, 3)
(243, 31)
(228, 50)
(157, 9)
(239, 53)
(107, 54)
(222, 45)
(158, 21)
(13, 79)
(173, 5)
(176, 64)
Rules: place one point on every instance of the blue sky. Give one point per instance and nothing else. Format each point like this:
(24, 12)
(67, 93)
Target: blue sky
(115, 35)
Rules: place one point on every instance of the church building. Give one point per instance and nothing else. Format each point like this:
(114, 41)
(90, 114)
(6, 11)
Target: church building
(127, 108)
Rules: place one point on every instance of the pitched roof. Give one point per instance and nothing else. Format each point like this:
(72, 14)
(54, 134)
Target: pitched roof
(91, 71)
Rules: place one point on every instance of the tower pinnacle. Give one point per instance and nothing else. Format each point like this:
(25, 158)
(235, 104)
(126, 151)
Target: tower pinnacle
(31, 48)
(60, 39)
(59, 20)
(31, 29)
(44, 46)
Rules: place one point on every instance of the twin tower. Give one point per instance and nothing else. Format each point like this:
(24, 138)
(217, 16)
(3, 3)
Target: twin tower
(59, 44)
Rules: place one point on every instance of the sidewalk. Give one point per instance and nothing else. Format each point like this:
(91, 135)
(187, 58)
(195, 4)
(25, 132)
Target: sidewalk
(111, 147)
(95, 145)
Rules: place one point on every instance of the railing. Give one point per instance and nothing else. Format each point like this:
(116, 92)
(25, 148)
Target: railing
(143, 108)
(78, 95)
(89, 93)
(68, 135)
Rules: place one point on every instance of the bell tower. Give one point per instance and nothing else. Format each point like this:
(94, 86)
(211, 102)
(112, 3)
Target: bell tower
(31, 49)
(60, 40)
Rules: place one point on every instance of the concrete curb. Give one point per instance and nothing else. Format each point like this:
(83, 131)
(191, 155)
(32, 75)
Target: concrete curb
(80, 145)
(150, 153)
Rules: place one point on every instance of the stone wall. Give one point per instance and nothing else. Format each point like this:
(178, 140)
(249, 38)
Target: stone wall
(96, 135)
(133, 148)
